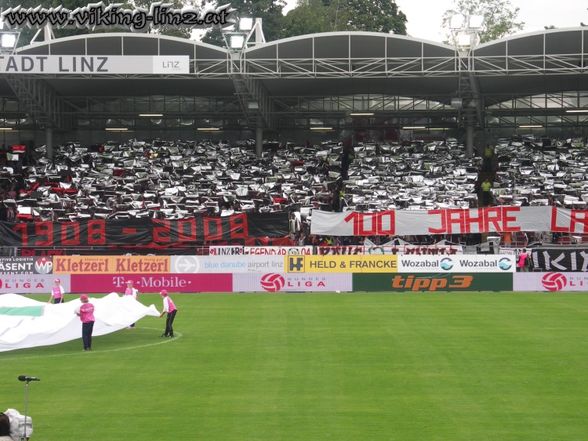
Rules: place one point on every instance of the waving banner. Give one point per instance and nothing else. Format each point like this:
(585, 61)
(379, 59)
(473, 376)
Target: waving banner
(28, 323)
(144, 232)
(449, 221)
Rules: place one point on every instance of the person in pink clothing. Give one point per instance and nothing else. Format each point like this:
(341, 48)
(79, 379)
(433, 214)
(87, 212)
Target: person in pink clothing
(522, 260)
(170, 309)
(131, 291)
(57, 292)
(86, 313)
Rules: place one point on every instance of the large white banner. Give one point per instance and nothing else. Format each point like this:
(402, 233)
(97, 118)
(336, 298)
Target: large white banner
(27, 323)
(289, 282)
(552, 282)
(449, 221)
(485, 263)
(226, 264)
(94, 64)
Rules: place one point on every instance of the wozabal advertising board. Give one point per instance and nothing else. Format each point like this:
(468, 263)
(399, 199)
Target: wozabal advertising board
(340, 264)
(292, 282)
(192, 283)
(110, 264)
(31, 283)
(486, 263)
(26, 265)
(552, 282)
(433, 282)
(226, 264)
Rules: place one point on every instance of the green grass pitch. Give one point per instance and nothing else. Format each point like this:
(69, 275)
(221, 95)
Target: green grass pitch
(303, 367)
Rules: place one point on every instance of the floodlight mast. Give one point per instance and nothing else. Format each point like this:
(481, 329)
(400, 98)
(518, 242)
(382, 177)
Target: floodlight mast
(465, 32)
(8, 39)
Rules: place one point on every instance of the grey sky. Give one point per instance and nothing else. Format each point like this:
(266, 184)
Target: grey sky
(424, 16)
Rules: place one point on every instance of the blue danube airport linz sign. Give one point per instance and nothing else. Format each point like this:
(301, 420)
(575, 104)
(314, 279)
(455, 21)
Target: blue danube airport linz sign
(94, 64)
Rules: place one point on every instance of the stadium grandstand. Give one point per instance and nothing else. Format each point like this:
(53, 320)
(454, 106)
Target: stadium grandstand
(338, 121)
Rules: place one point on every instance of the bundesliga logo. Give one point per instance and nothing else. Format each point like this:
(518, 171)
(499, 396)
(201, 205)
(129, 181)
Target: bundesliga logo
(272, 282)
(554, 281)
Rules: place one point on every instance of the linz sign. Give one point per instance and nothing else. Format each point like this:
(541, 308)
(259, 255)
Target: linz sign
(69, 64)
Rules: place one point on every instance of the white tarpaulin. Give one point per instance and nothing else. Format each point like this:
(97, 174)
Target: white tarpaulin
(27, 323)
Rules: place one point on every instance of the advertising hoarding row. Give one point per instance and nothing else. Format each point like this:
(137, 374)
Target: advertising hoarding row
(275, 282)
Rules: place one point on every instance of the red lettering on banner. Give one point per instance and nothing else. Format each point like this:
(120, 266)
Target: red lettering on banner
(238, 227)
(22, 230)
(214, 233)
(443, 229)
(390, 216)
(161, 232)
(377, 223)
(70, 228)
(506, 219)
(455, 216)
(469, 220)
(576, 219)
(96, 232)
(554, 227)
(492, 215)
(44, 234)
(191, 224)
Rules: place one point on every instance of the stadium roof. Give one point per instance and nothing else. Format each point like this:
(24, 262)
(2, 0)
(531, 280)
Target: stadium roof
(333, 64)
(352, 62)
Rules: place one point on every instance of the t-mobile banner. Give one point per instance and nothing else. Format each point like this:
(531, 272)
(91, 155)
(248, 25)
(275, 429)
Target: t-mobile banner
(288, 282)
(192, 283)
(31, 283)
(488, 263)
(552, 282)
(226, 264)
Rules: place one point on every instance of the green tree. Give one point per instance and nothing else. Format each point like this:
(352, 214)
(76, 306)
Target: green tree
(344, 15)
(500, 17)
(270, 11)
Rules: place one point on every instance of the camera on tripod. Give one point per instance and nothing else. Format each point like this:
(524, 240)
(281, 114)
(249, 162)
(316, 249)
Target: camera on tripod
(14, 426)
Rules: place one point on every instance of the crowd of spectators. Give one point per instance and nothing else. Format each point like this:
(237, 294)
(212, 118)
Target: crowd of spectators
(177, 179)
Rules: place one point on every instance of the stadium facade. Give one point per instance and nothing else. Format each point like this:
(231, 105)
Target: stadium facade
(328, 85)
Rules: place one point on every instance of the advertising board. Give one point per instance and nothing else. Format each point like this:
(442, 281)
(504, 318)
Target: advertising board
(487, 263)
(110, 264)
(226, 264)
(31, 283)
(340, 264)
(292, 282)
(26, 265)
(552, 282)
(192, 283)
(433, 282)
